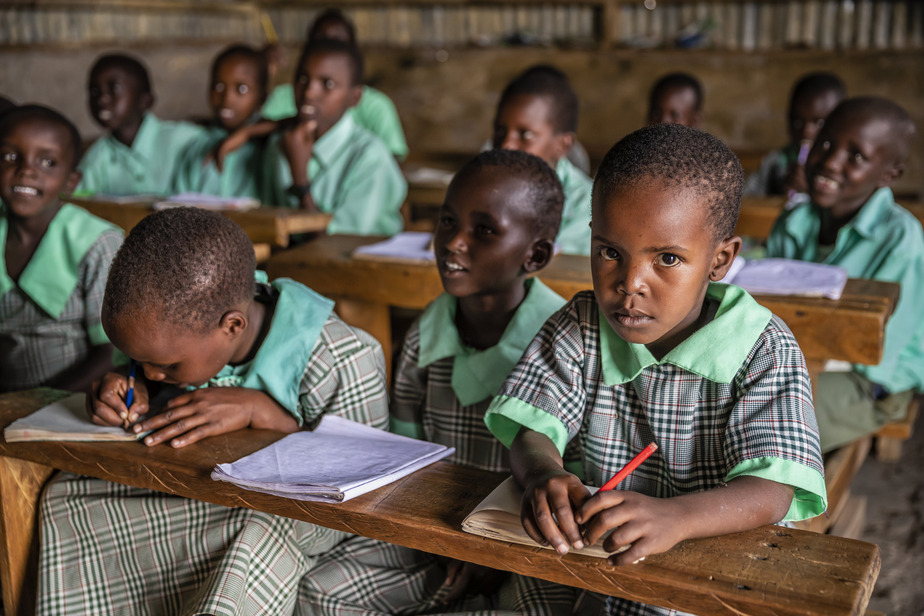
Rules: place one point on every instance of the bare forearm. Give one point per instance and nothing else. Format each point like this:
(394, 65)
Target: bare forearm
(533, 455)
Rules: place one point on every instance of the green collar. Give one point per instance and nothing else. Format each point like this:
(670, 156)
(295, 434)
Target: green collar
(477, 375)
(867, 223)
(334, 142)
(279, 363)
(715, 351)
(53, 272)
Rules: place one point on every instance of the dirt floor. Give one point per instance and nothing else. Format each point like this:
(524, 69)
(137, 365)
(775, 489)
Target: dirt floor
(895, 522)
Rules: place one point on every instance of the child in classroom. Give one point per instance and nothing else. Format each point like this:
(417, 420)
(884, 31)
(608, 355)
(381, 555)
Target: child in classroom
(5, 104)
(375, 111)
(322, 160)
(237, 90)
(54, 258)
(676, 98)
(660, 352)
(497, 226)
(183, 301)
(782, 171)
(139, 153)
(853, 221)
(538, 113)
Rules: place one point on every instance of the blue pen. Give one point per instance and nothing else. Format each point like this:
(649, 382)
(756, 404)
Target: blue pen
(130, 396)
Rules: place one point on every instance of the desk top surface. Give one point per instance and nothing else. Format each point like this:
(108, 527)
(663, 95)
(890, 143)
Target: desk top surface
(769, 570)
(851, 328)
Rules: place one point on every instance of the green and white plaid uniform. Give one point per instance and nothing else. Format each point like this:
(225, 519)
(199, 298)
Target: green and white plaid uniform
(50, 317)
(733, 399)
(446, 387)
(111, 549)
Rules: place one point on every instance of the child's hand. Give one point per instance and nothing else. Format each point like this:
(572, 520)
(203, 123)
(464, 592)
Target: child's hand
(106, 401)
(194, 415)
(547, 513)
(298, 146)
(651, 525)
(232, 142)
(468, 578)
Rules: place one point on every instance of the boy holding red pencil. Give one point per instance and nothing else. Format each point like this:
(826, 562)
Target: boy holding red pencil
(662, 352)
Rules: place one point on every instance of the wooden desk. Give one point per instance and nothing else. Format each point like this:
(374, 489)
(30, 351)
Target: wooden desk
(769, 570)
(851, 329)
(263, 225)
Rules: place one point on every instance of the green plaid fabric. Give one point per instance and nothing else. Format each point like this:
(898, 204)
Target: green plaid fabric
(703, 428)
(35, 347)
(110, 549)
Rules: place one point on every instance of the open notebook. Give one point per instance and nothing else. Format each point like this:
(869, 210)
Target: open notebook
(208, 202)
(498, 517)
(337, 461)
(64, 420)
(787, 277)
(405, 247)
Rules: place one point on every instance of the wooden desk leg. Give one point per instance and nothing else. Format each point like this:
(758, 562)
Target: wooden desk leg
(21, 484)
(374, 318)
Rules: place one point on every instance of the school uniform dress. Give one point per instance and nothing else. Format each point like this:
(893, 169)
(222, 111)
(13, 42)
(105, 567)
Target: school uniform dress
(574, 233)
(375, 112)
(733, 399)
(883, 241)
(447, 387)
(113, 549)
(147, 167)
(240, 171)
(353, 177)
(50, 317)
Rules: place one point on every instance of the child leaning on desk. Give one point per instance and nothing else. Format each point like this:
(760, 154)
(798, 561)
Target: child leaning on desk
(538, 113)
(237, 88)
(496, 227)
(139, 153)
(853, 221)
(321, 160)
(182, 302)
(54, 258)
(660, 352)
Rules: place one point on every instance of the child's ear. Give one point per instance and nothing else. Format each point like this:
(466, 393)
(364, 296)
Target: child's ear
(539, 256)
(725, 253)
(73, 179)
(233, 323)
(146, 100)
(356, 93)
(891, 173)
(563, 144)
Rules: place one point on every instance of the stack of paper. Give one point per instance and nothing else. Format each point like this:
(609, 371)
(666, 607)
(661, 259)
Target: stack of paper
(338, 460)
(209, 202)
(788, 277)
(64, 420)
(405, 247)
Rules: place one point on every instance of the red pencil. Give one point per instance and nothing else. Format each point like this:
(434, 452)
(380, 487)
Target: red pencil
(628, 468)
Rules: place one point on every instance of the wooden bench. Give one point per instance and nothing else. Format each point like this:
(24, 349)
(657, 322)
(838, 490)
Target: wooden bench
(765, 571)
(889, 437)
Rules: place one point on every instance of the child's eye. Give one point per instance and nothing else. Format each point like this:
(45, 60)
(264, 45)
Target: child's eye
(302, 80)
(48, 163)
(668, 260)
(859, 158)
(447, 221)
(527, 135)
(8, 157)
(218, 87)
(607, 253)
(484, 230)
(826, 145)
(243, 89)
(116, 88)
(329, 84)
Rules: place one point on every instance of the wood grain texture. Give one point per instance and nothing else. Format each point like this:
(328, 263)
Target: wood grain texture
(769, 570)
(851, 329)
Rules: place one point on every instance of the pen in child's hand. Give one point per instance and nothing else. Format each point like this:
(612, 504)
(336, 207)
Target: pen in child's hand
(628, 468)
(130, 396)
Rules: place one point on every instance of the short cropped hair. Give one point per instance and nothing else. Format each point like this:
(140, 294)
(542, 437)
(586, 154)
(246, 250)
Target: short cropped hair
(816, 84)
(21, 113)
(677, 80)
(130, 65)
(545, 194)
(190, 265)
(250, 54)
(680, 157)
(548, 81)
(333, 46)
(5, 104)
(902, 126)
(335, 15)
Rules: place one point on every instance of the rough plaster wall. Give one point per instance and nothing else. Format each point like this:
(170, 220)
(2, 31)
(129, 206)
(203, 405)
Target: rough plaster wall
(448, 105)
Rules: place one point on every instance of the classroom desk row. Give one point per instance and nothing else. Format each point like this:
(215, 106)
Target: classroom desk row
(272, 226)
(850, 329)
(766, 571)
